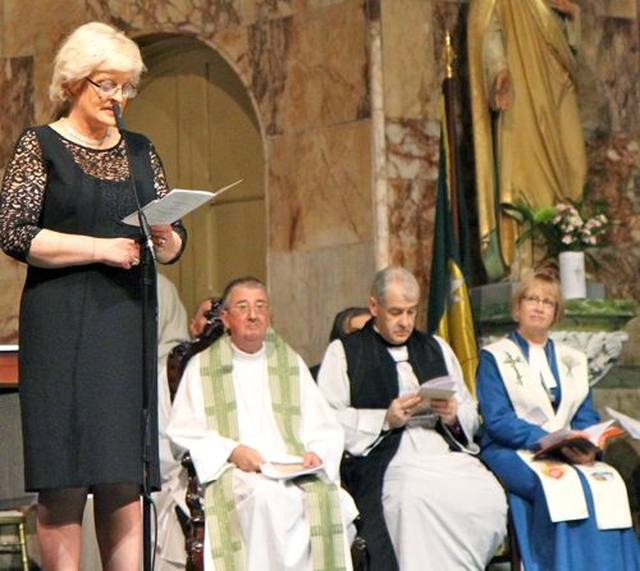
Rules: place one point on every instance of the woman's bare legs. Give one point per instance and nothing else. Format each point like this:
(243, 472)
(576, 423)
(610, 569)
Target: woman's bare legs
(59, 525)
(118, 516)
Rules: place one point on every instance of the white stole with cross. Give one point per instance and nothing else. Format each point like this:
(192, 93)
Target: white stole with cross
(560, 481)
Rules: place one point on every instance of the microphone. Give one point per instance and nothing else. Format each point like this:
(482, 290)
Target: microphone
(142, 219)
(149, 351)
(117, 111)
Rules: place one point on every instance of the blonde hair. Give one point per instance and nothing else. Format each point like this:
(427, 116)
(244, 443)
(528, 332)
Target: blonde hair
(551, 286)
(88, 48)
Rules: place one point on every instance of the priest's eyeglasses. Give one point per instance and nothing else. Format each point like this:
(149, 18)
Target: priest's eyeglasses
(546, 301)
(108, 87)
(243, 309)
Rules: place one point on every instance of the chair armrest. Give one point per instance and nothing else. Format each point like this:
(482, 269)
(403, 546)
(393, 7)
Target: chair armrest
(194, 541)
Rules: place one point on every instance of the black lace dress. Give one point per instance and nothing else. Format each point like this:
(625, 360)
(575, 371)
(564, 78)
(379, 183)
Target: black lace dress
(80, 360)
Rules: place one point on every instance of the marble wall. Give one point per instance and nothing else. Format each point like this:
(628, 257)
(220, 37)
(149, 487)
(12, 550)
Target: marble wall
(347, 97)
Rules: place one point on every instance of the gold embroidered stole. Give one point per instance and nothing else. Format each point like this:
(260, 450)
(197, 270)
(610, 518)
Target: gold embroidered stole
(323, 509)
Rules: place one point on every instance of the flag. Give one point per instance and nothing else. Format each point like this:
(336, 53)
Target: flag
(449, 311)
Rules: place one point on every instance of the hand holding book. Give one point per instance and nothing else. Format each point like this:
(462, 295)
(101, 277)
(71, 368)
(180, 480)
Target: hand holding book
(289, 467)
(576, 446)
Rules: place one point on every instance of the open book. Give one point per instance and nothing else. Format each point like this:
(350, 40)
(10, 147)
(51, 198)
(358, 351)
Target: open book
(288, 468)
(590, 438)
(174, 205)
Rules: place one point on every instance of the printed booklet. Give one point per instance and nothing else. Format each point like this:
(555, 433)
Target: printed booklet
(591, 438)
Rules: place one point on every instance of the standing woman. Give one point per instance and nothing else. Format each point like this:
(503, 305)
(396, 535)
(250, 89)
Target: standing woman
(571, 514)
(65, 190)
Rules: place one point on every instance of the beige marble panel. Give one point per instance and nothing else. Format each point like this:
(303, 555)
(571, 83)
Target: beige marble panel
(12, 275)
(413, 40)
(409, 69)
(320, 188)
(308, 288)
(325, 69)
(16, 101)
(41, 26)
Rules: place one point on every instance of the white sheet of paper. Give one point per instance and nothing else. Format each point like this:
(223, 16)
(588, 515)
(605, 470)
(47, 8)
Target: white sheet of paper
(631, 425)
(438, 388)
(174, 205)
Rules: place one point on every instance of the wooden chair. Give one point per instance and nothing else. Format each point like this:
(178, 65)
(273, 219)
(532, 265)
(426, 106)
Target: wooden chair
(193, 523)
(510, 552)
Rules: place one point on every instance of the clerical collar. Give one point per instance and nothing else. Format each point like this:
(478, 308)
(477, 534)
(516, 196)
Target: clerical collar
(387, 343)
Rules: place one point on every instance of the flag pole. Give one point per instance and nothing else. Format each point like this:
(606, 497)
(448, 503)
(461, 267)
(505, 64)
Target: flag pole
(448, 91)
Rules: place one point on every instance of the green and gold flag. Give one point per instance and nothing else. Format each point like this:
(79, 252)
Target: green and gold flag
(449, 311)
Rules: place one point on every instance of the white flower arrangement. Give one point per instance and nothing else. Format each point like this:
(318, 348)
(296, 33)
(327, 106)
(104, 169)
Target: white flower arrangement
(576, 233)
(568, 226)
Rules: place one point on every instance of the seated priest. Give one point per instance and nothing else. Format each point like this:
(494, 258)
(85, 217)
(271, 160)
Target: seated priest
(426, 501)
(246, 407)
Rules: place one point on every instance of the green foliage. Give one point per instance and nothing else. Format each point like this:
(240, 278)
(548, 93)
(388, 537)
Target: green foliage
(572, 225)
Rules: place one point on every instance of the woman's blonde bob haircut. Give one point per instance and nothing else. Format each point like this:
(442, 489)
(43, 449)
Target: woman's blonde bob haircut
(549, 284)
(88, 48)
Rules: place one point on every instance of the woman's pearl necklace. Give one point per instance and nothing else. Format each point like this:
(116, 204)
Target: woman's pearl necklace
(81, 138)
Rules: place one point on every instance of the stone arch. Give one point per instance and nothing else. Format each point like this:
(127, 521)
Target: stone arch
(202, 118)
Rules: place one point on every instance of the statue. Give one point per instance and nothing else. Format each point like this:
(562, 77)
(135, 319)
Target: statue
(529, 146)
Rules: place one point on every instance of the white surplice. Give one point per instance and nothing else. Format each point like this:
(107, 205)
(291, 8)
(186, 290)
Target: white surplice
(275, 532)
(443, 509)
(172, 330)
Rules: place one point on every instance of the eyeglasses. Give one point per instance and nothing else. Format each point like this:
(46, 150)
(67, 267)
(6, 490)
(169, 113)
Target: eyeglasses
(546, 301)
(108, 88)
(260, 307)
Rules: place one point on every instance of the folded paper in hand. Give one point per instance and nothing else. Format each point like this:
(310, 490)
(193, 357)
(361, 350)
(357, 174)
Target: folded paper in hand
(588, 439)
(438, 388)
(174, 205)
(288, 469)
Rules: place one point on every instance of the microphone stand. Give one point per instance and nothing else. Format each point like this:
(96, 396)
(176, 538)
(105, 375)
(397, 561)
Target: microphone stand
(149, 347)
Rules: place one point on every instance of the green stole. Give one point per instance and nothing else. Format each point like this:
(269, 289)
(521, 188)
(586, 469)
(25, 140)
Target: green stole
(323, 508)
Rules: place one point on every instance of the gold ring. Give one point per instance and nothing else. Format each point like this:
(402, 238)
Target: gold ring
(161, 242)
(135, 262)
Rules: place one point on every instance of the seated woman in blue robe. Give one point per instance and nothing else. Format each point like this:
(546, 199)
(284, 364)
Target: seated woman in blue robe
(571, 513)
